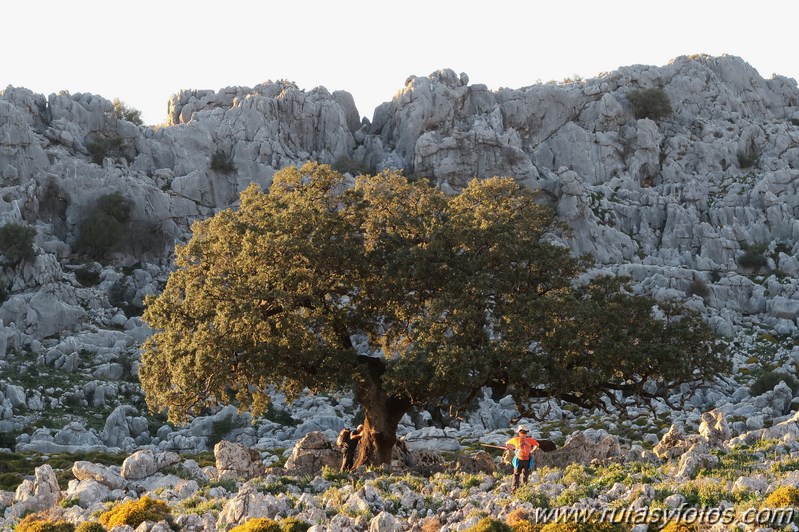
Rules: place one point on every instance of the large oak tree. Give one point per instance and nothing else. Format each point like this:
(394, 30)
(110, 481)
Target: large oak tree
(408, 297)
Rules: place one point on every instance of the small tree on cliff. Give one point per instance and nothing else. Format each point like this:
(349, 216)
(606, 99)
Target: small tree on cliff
(451, 293)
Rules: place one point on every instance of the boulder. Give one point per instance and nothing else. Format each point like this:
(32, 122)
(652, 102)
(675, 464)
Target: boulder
(480, 462)
(234, 460)
(672, 444)
(40, 493)
(582, 448)
(145, 463)
(88, 491)
(714, 429)
(249, 503)
(83, 470)
(386, 522)
(311, 453)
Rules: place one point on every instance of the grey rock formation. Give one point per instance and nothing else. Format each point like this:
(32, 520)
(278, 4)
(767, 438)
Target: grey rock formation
(234, 461)
(311, 453)
(83, 470)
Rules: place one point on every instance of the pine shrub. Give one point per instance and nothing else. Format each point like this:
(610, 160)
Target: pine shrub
(767, 381)
(106, 226)
(123, 112)
(16, 242)
(650, 103)
(220, 162)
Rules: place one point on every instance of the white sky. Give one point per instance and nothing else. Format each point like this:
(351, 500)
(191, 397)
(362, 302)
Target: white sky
(144, 51)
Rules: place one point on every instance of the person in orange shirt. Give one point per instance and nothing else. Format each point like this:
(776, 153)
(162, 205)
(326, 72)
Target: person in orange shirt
(523, 446)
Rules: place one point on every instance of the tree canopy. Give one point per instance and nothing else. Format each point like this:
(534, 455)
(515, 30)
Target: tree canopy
(408, 297)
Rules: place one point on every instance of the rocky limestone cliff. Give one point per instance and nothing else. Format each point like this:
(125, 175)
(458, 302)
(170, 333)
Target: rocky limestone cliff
(674, 203)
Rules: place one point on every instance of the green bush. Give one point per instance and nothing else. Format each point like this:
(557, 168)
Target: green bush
(16, 242)
(650, 103)
(221, 162)
(748, 160)
(133, 513)
(106, 227)
(101, 147)
(698, 287)
(753, 258)
(123, 112)
(260, 524)
(767, 381)
(87, 276)
(348, 165)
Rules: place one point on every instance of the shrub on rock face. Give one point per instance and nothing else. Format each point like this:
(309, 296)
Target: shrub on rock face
(220, 162)
(650, 103)
(260, 524)
(767, 382)
(106, 227)
(124, 112)
(16, 242)
(134, 513)
(38, 523)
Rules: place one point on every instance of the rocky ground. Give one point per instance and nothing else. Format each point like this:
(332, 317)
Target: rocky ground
(699, 205)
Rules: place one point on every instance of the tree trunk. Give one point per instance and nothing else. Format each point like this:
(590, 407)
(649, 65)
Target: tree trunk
(383, 413)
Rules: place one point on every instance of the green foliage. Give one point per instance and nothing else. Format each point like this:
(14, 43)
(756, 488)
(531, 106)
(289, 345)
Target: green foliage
(135, 512)
(90, 526)
(39, 523)
(783, 497)
(537, 498)
(698, 287)
(348, 165)
(489, 524)
(87, 276)
(753, 258)
(221, 427)
(123, 112)
(748, 160)
(69, 502)
(650, 103)
(16, 242)
(259, 524)
(454, 290)
(221, 162)
(106, 226)
(768, 380)
(100, 147)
